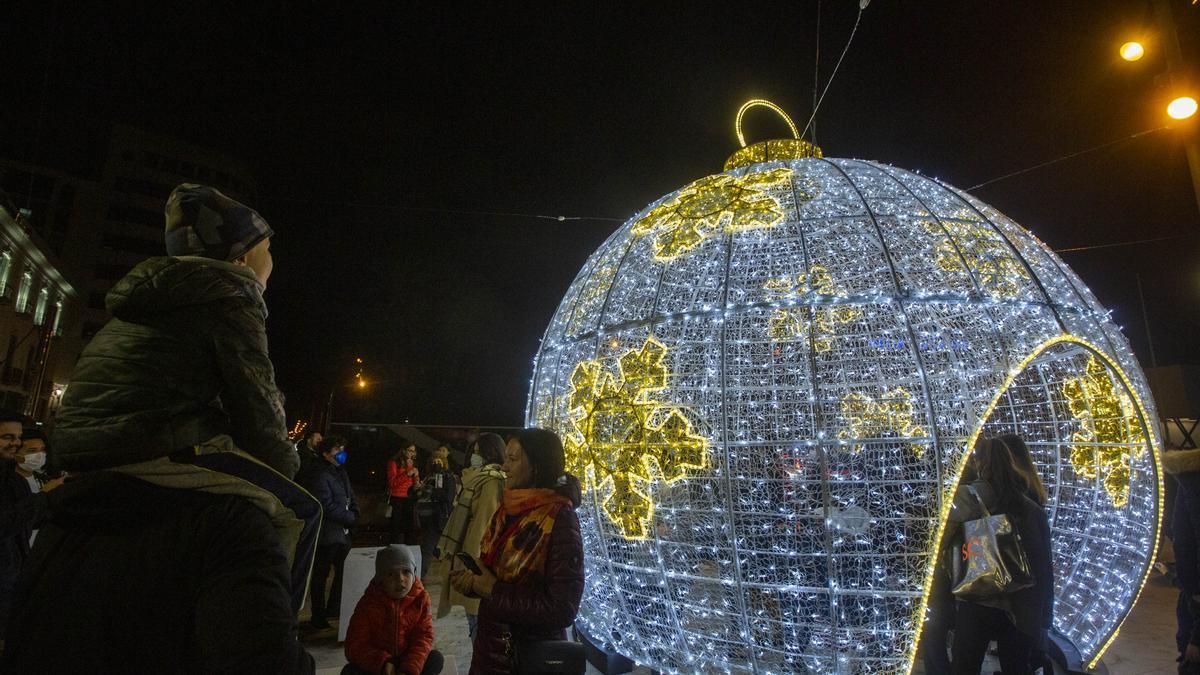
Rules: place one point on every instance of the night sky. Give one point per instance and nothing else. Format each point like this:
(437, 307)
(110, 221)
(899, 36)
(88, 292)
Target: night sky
(366, 128)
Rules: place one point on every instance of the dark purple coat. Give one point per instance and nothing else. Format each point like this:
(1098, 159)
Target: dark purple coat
(539, 608)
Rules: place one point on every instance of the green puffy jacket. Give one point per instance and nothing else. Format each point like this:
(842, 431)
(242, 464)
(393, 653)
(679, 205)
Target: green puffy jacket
(184, 359)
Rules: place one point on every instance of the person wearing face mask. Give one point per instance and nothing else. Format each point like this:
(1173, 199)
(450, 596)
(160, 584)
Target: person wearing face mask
(328, 482)
(31, 462)
(480, 497)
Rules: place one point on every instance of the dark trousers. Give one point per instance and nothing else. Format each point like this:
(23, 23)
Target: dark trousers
(938, 624)
(431, 531)
(974, 629)
(433, 666)
(328, 556)
(402, 526)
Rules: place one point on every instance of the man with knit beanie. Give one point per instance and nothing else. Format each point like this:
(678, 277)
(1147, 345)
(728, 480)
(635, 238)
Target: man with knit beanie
(183, 544)
(391, 631)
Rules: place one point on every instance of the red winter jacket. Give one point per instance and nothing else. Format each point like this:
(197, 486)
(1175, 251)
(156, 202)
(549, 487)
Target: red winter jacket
(382, 629)
(399, 482)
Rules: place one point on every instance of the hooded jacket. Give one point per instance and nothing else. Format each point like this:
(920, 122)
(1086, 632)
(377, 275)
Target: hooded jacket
(383, 629)
(481, 494)
(184, 359)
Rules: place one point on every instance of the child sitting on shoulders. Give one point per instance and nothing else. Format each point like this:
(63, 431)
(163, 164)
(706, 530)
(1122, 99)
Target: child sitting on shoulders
(391, 631)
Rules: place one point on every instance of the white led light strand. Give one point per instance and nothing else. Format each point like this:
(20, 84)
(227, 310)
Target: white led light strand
(769, 381)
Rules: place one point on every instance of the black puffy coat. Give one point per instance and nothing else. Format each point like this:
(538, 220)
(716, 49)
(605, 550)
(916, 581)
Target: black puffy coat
(20, 512)
(541, 607)
(128, 577)
(183, 360)
(331, 486)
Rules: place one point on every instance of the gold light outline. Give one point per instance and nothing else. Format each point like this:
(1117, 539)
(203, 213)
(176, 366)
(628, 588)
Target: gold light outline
(946, 503)
(737, 123)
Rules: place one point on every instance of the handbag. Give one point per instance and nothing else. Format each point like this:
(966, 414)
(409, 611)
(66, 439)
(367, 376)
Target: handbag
(544, 657)
(991, 561)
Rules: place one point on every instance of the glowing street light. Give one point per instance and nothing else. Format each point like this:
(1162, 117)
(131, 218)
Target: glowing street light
(1132, 51)
(1182, 108)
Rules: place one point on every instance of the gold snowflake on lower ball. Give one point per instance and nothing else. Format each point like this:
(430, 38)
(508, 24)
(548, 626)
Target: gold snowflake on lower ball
(788, 323)
(621, 439)
(1109, 434)
(889, 417)
(712, 205)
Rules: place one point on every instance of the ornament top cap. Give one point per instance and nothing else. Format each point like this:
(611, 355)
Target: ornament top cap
(788, 148)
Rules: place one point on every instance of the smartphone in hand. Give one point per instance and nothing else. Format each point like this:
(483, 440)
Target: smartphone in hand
(469, 563)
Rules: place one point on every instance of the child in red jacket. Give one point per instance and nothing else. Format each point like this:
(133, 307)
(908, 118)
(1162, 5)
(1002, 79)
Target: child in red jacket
(391, 631)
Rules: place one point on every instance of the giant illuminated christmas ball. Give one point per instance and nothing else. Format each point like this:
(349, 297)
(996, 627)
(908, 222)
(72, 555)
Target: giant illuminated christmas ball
(768, 382)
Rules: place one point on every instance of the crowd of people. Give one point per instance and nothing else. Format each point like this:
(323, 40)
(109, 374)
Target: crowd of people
(180, 525)
(184, 530)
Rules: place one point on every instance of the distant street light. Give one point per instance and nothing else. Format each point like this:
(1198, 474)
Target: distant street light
(1132, 51)
(360, 383)
(1182, 108)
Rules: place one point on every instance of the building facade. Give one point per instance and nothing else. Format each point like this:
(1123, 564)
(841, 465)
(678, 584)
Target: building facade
(39, 320)
(102, 225)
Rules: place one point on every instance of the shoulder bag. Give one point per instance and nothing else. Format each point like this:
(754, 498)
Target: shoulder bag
(991, 561)
(544, 657)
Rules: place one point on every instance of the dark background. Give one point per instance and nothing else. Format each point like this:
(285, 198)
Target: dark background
(356, 117)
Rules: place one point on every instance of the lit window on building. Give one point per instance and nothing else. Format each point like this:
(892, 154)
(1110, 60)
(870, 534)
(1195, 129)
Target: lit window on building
(22, 303)
(58, 311)
(5, 266)
(39, 313)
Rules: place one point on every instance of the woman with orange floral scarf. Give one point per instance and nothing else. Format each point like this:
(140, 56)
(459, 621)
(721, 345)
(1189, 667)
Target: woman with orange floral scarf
(531, 561)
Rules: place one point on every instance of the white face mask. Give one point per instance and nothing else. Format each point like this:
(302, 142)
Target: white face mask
(34, 461)
(476, 461)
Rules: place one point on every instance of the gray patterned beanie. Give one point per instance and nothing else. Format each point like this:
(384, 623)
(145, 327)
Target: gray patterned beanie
(394, 556)
(203, 222)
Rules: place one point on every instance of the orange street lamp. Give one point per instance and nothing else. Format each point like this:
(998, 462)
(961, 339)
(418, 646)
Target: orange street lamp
(1182, 108)
(1132, 51)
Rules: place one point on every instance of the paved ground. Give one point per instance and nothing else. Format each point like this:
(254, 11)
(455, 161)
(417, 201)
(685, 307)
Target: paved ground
(1145, 645)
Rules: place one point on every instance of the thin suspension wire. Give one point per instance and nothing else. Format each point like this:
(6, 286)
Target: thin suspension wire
(816, 72)
(857, 19)
(1121, 243)
(1066, 157)
(431, 209)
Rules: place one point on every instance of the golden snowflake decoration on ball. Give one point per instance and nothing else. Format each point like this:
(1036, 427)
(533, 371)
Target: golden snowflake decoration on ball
(890, 417)
(789, 323)
(622, 439)
(713, 205)
(976, 247)
(1109, 430)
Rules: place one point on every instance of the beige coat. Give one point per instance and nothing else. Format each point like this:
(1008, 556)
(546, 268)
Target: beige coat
(481, 494)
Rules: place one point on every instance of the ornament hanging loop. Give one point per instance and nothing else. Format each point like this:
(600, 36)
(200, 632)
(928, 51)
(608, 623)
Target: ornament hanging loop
(737, 124)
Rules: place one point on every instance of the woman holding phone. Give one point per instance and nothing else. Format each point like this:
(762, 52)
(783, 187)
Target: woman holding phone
(402, 476)
(529, 575)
